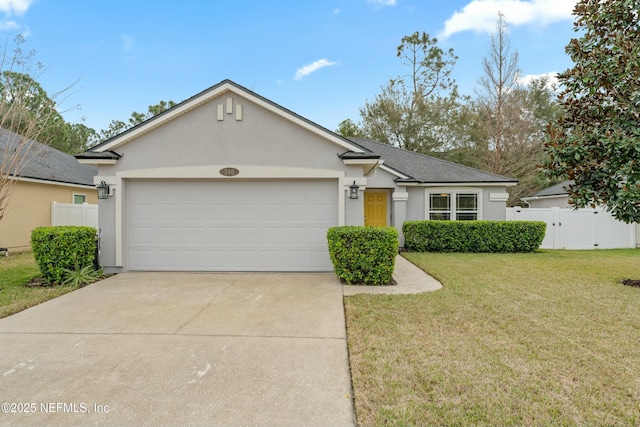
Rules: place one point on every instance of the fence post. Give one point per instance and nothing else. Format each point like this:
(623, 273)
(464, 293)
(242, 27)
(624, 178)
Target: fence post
(53, 213)
(84, 213)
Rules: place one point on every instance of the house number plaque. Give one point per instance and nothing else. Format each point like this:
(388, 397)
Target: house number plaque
(229, 171)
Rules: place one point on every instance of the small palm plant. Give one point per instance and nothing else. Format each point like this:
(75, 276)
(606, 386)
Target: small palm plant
(81, 276)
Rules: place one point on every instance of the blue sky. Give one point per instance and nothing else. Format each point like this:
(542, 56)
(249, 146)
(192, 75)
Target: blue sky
(321, 59)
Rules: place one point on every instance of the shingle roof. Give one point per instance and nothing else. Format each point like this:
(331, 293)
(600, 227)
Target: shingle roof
(554, 190)
(49, 164)
(425, 169)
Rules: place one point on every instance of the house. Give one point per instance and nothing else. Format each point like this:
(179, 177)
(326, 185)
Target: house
(230, 181)
(49, 176)
(550, 197)
(572, 228)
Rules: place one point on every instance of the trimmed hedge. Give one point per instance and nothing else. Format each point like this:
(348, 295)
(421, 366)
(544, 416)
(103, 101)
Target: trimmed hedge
(473, 236)
(363, 255)
(59, 248)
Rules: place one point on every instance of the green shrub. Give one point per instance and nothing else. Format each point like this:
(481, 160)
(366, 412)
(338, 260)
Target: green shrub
(57, 249)
(363, 255)
(473, 236)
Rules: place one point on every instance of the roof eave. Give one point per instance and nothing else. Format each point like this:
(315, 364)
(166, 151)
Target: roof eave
(94, 161)
(551, 196)
(458, 183)
(51, 181)
(98, 158)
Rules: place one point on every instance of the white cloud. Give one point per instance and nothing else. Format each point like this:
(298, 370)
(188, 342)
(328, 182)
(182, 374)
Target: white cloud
(552, 78)
(336, 11)
(382, 2)
(314, 66)
(9, 25)
(15, 7)
(481, 15)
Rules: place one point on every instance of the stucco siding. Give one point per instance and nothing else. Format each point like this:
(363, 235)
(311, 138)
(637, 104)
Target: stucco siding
(30, 207)
(561, 202)
(493, 210)
(380, 179)
(415, 204)
(107, 225)
(260, 138)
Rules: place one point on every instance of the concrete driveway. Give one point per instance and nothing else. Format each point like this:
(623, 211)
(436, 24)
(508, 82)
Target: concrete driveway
(181, 349)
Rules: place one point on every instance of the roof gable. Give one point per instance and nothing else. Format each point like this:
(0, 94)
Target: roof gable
(555, 190)
(214, 92)
(47, 163)
(420, 168)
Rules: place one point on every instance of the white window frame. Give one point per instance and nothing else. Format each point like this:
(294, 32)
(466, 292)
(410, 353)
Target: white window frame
(453, 191)
(73, 198)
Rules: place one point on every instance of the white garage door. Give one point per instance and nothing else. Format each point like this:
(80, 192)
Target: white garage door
(230, 225)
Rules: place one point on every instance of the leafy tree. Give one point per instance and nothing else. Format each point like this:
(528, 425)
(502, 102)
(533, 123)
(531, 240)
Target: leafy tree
(22, 91)
(116, 127)
(77, 138)
(596, 142)
(26, 115)
(349, 129)
(412, 109)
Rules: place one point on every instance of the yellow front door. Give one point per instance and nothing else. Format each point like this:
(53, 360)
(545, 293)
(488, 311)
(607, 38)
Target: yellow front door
(375, 208)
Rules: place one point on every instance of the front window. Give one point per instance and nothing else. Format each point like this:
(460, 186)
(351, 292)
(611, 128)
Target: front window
(456, 205)
(466, 206)
(79, 199)
(440, 206)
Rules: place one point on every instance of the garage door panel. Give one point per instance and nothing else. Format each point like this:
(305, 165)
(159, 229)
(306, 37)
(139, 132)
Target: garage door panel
(319, 259)
(231, 225)
(196, 234)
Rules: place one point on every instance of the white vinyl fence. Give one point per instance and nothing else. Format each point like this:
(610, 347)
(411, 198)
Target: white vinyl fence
(73, 214)
(578, 229)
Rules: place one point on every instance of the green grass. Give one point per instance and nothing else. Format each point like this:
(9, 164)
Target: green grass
(16, 271)
(548, 338)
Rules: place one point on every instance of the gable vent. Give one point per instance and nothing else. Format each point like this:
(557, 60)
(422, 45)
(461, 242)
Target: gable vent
(228, 106)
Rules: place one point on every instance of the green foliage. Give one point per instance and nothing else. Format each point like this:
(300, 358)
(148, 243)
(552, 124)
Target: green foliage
(596, 143)
(116, 127)
(500, 129)
(28, 110)
(57, 249)
(412, 111)
(363, 255)
(80, 276)
(349, 129)
(473, 236)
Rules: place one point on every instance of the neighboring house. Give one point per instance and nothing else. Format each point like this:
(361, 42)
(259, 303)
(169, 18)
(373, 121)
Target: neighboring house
(50, 175)
(551, 197)
(230, 181)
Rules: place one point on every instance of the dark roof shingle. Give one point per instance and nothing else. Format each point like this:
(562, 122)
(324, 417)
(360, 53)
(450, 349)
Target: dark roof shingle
(426, 169)
(554, 190)
(47, 163)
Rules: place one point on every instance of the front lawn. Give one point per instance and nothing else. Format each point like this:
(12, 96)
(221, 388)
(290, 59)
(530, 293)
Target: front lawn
(16, 272)
(548, 338)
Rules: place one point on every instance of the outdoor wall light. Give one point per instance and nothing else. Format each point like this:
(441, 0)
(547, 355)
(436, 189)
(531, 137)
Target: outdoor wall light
(103, 190)
(353, 191)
